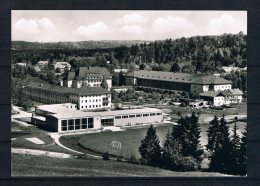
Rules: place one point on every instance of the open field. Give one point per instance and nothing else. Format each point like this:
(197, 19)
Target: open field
(131, 139)
(28, 165)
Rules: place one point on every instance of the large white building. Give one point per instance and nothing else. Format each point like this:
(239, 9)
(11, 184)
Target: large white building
(62, 66)
(86, 98)
(65, 118)
(88, 76)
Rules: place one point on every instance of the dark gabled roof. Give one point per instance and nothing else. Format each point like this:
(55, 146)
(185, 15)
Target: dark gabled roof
(33, 79)
(83, 71)
(65, 90)
(211, 94)
(71, 76)
(178, 77)
(232, 92)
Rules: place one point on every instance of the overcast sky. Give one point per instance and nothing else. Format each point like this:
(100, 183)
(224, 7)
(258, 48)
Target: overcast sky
(52, 26)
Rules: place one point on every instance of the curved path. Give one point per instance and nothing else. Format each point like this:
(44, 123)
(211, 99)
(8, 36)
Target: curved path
(55, 137)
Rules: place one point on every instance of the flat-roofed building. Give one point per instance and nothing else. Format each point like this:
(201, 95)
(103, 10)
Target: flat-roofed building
(86, 98)
(62, 66)
(88, 76)
(194, 83)
(61, 119)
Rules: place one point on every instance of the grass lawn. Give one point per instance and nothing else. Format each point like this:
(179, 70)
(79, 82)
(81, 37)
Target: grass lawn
(28, 165)
(131, 139)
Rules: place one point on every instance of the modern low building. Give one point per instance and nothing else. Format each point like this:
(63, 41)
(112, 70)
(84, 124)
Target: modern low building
(58, 118)
(88, 76)
(86, 98)
(194, 83)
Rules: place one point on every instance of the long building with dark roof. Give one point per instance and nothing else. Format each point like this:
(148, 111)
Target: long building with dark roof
(88, 76)
(86, 97)
(194, 83)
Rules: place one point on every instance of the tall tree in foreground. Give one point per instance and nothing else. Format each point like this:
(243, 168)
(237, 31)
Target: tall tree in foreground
(242, 158)
(235, 151)
(182, 150)
(150, 149)
(219, 146)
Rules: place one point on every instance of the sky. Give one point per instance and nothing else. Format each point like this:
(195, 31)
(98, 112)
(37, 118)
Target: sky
(76, 25)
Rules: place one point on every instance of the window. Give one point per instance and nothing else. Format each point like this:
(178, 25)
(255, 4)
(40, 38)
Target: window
(64, 126)
(86, 101)
(138, 115)
(90, 123)
(158, 113)
(86, 106)
(71, 124)
(118, 117)
(77, 124)
(84, 123)
(132, 116)
(144, 115)
(107, 122)
(124, 116)
(152, 114)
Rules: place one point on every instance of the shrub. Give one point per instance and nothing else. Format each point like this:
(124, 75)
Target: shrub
(133, 159)
(105, 156)
(187, 164)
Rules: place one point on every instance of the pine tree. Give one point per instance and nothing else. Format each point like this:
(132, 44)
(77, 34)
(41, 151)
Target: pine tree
(195, 149)
(242, 157)
(150, 149)
(235, 151)
(212, 135)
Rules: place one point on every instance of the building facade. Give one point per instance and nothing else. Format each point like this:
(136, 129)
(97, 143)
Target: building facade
(60, 119)
(86, 98)
(194, 83)
(62, 66)
(88, 76)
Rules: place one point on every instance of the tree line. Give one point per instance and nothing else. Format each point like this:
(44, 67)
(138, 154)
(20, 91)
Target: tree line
(191, 55)
(182, 151)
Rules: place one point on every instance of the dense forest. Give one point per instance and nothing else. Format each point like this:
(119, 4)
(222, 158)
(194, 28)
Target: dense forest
(205, 54)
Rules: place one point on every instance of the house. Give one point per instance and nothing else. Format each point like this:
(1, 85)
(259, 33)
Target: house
(43, 63)
(123, 70)
(88, 76)
(37, 68)
(64, 118)
(233, 96)
(193, 83)
(213, 98)
(86, 98)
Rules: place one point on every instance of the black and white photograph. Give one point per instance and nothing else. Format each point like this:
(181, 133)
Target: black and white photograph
(128, 93)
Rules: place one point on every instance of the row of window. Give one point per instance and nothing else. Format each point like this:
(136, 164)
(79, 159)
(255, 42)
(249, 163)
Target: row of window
(97, 100)
(76, 124)
(137, 115)
(93, 106)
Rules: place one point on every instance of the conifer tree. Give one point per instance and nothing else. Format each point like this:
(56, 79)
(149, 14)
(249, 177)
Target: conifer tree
(195, 149)
(242, 157)
(212, 134)
(150, 149)
(235, 152)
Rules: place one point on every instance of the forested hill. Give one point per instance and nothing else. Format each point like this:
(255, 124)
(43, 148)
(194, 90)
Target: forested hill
(20, 45)
(190, 55)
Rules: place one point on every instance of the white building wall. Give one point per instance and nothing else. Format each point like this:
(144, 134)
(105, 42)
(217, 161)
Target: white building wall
(222, 87)
(137, 120)
(94, 102)
(218, 101)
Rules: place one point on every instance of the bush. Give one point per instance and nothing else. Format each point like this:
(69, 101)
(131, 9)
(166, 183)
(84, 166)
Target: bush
(105, 156)
(187, 164)
(133, 159)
